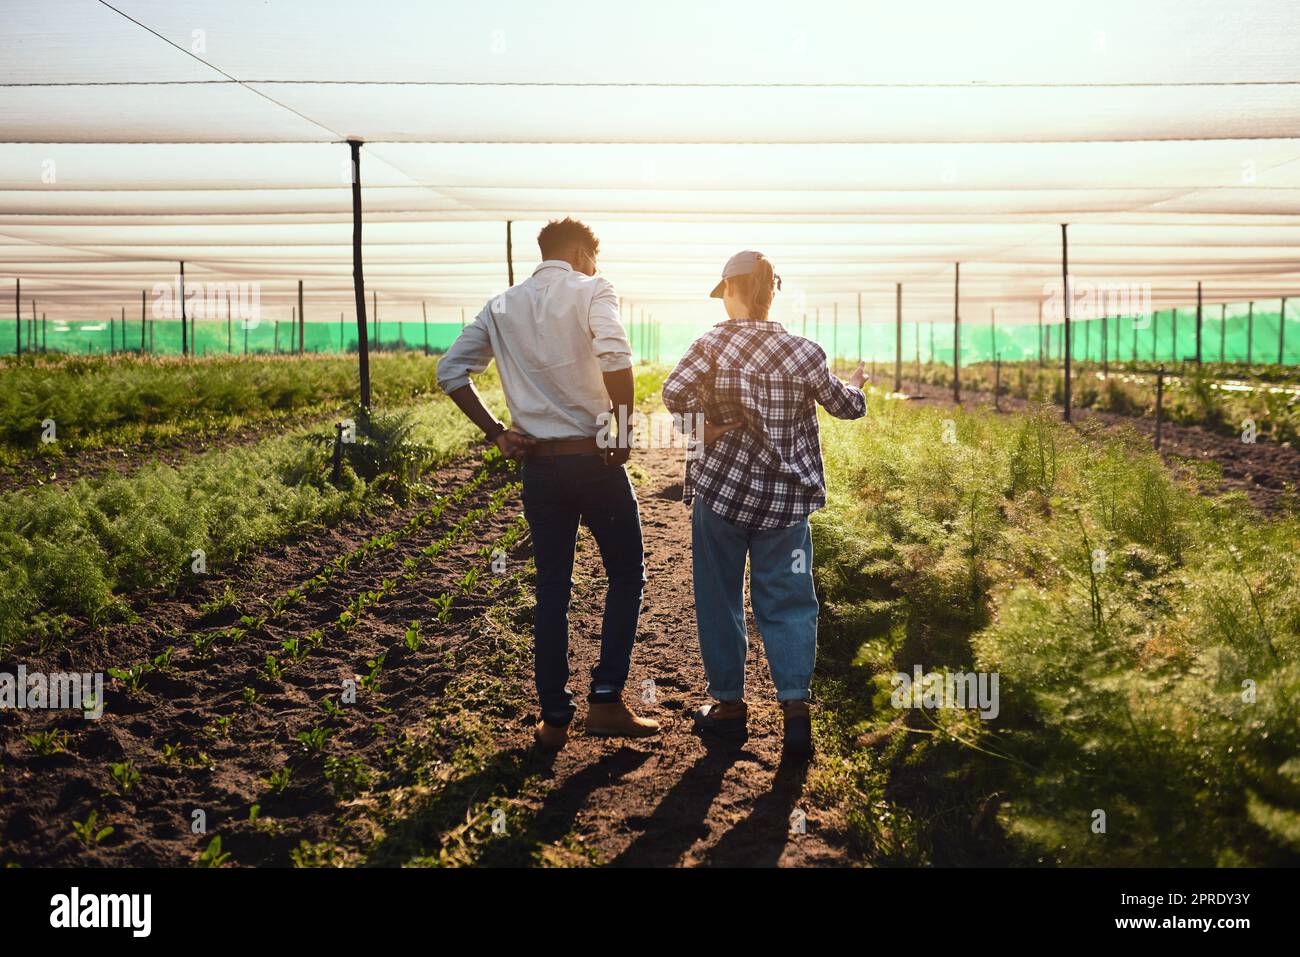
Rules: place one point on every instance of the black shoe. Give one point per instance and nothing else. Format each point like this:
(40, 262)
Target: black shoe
(797, 743)
(728, 720)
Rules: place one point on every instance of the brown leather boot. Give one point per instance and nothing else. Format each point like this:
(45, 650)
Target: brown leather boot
(615, 719)
(551, 737)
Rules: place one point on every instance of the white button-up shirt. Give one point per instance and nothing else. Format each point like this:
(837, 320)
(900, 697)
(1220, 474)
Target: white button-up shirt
(552, 336)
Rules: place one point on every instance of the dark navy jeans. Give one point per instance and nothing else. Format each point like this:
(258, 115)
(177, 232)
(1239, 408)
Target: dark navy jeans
(559, 492)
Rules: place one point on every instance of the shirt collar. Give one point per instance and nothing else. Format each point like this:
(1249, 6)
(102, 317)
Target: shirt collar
(552, 264)
(753, 323)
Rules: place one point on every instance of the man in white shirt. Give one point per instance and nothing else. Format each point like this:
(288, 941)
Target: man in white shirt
(564, 358)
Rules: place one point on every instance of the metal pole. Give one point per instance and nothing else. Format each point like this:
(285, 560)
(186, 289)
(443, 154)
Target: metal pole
(1040, 330)
(1223, 329)
(230, 329)
(302, 322)
(956, 334)
(1198, 322)
(1281, 333)
(1160, 400)
(510, 254)
(425, 313)
(1065, 285)
(1250, 333)
(860, 326)
(18, 316)
(1105, 347)
(142, 322)
(358, 281)
(835, 335)
(898, 337)
(997, 382)
(184, 333)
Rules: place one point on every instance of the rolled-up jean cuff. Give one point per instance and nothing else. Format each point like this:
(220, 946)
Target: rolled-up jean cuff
(727, 697)
(558, 720)
(605, 697)
(803, 695)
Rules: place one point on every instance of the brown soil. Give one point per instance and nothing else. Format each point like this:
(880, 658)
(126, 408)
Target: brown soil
(1267, 473)
(667, 800)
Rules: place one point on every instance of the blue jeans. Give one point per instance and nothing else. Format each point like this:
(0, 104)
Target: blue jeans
(780, 589)
(560, 491)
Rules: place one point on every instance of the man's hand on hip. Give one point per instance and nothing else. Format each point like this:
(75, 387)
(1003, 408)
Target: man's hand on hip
(514, 444)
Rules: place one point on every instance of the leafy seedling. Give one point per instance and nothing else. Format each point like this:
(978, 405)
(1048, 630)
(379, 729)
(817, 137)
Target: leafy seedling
(88, 832)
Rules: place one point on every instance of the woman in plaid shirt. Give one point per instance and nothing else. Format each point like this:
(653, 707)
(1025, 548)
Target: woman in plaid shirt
(752, 487)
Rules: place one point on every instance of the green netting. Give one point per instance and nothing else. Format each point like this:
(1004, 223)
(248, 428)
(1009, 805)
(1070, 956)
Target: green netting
(212, 337)
(1244, 333)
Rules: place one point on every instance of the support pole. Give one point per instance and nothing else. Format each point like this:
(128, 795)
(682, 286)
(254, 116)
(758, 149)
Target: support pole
(18, 316)
(860, 326)
(1198, 322)
(185, 348)
(1250, 333)
(142, 322)
(1065, 286)
(302, 322)
(956, 334)
(1281, 333)
(1040, 331)
(1223, 330)
(898, 337)
(358, 280)
(835, 336)
(1160, 401)
(510, 253)
(424, 312)
(1105, 347)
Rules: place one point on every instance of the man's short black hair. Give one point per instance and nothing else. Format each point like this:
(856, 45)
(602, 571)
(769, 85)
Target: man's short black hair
(559, 235)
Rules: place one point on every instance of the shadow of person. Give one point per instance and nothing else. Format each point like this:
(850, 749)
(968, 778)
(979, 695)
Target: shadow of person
(678, 821)
(554, 819)
(760, 839)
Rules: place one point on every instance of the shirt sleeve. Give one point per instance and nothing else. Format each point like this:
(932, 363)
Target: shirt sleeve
(681, 388)
(468, 355)
(840, 400)
(609, 340)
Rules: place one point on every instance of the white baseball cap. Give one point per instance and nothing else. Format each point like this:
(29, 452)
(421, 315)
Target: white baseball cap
(741, 264)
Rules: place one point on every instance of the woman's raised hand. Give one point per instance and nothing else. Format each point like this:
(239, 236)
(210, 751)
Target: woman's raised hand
(859, 376)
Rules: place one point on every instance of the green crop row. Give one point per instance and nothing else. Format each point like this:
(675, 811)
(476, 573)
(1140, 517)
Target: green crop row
(1146, 641)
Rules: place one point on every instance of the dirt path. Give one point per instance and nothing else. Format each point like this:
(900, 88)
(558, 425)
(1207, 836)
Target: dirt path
(1267, 473)
(671, 800)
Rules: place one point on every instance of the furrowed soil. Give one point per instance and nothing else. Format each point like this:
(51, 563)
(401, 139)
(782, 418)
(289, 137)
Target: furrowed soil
(433, 764)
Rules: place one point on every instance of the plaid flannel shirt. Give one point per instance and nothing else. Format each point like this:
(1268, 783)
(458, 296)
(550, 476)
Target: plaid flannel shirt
(767, 474)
